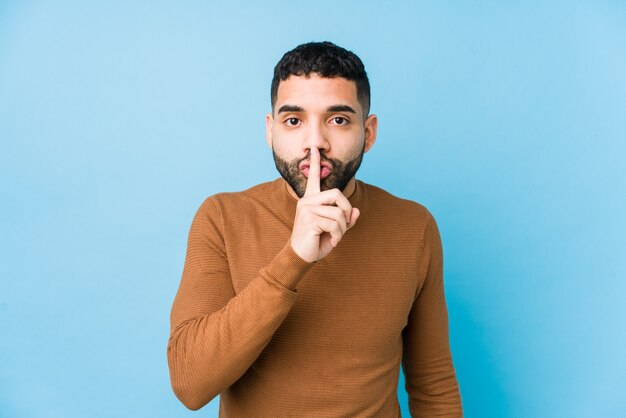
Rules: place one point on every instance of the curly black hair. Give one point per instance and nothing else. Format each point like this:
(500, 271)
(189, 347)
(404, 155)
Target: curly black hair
(327, 60)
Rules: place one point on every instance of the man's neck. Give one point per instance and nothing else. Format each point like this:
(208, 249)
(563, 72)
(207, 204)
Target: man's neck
(347, 191)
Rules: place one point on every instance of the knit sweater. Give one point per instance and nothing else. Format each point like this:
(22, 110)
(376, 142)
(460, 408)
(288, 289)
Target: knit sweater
(332, 345)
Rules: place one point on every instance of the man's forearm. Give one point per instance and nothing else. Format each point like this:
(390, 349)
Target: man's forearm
(208, 353)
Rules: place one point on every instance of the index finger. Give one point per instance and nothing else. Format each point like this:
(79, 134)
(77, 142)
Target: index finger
(313, 181)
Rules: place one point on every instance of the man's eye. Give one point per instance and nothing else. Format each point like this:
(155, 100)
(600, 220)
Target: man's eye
(292, 121)
(340, 121)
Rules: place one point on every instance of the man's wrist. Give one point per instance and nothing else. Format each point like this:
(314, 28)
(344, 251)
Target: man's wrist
(288, 268)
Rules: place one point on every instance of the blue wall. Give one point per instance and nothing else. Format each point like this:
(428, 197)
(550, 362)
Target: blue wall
(507, 121)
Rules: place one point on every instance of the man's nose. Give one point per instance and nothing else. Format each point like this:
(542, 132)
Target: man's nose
(316, 137)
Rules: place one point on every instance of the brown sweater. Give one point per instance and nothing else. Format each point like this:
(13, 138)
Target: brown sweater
(332, 346)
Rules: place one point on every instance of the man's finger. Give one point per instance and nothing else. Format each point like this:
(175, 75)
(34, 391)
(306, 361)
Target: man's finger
(313, 182)
(333, 197)
(333, 213)
(353, 217)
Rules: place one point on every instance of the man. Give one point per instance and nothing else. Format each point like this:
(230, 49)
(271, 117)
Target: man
(303, 296)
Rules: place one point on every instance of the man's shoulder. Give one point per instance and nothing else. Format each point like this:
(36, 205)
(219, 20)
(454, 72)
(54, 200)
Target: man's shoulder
(380, 200)
(258, 191)
(257, 194)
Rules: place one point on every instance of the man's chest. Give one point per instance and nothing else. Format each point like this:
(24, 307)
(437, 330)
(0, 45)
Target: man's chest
(362, 291)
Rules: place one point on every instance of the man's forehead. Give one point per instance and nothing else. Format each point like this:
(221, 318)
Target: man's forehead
(315, 89)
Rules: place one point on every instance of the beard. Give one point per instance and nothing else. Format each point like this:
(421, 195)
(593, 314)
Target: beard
(338, 178)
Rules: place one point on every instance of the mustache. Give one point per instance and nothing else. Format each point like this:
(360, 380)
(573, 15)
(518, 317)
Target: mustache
(332, 162)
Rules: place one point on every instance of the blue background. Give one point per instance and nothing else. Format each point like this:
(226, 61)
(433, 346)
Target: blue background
(507, 120)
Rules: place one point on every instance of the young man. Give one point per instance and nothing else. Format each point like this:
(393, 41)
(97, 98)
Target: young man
(302, 297)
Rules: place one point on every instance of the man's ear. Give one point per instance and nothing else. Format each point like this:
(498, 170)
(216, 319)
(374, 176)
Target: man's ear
(371, 125)
(269, 123)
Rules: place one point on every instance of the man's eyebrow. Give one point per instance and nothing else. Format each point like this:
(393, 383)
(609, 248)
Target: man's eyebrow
(290, 108)
(341, 108)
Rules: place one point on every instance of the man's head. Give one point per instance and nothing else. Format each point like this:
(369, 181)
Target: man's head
(326, 60)
(320, 98)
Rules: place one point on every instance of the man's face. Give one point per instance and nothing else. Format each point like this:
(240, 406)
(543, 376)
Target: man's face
(323, 113)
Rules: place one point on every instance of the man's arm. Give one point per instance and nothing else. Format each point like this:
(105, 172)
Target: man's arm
(215, 334)
(427, 362)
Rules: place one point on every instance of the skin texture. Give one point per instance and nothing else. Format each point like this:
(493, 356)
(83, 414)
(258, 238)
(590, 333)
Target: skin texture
(316, 121)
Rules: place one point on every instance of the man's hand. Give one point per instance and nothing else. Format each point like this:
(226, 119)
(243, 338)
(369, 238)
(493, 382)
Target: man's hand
(321, 217)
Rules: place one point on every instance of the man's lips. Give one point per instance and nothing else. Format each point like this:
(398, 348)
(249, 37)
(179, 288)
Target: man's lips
(325, 170)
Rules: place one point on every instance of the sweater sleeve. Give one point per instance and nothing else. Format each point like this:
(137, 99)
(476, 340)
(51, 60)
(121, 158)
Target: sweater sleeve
(216, 334)
(427, 361)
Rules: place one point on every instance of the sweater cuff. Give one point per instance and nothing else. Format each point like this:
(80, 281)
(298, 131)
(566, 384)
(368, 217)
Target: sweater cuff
(287, 268)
